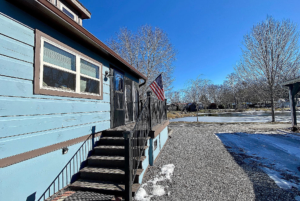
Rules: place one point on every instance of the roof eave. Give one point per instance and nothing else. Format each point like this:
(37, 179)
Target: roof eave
(90, 36)
(290, 82)
(47, 10)
(84, 12)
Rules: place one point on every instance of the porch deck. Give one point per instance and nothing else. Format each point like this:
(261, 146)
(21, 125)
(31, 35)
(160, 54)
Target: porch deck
(126, 127)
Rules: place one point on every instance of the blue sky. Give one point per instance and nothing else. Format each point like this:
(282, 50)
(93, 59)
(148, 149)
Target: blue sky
(207, 34)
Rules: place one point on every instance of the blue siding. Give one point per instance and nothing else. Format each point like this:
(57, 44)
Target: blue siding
(15, 68)
(19, 144)
(145, 163)
(15, 30)
(16, 49)
(151, 154)
(21, 125)
(161, 141)
(11, 106)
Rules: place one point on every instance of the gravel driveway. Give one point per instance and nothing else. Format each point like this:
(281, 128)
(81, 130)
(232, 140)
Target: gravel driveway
(205, 170)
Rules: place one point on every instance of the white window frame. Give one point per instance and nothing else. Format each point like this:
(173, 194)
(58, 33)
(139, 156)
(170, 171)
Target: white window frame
(64, 6)
(76, 72)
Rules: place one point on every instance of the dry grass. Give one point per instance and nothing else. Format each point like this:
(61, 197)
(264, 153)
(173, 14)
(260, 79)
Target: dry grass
(178, 114)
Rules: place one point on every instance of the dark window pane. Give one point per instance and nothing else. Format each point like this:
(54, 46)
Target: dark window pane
(119, 101)
(68, 13)
(58, 79)
(89, 85)
(119, 81)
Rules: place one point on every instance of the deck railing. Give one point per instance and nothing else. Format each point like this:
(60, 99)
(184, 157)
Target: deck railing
(153, 112)
(158, 110)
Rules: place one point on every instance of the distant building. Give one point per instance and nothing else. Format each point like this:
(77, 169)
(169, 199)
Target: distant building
(284, 103)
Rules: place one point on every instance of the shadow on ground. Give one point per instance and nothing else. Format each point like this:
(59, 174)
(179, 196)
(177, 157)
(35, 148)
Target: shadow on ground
(256, 161)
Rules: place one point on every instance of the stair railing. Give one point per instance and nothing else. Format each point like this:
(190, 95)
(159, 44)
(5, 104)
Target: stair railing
(69, 172)
(153, 112)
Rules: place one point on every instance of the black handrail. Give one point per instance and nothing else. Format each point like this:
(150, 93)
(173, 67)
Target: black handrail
(66, 175)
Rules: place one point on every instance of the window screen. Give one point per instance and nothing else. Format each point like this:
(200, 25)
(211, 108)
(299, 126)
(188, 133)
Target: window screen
(59, 57)
(89, 69)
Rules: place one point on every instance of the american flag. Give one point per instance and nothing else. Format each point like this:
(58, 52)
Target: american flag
(158, 88)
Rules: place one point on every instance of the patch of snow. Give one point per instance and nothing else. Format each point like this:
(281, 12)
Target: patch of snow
(277, 155)
(142, 195)
(156, 179)
(168, 170)
(276, 178)
(218, 138)
(297, 198)
(157, 190)
(248, 116)
(253, 111)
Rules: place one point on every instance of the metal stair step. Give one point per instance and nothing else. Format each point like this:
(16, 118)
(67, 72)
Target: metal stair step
(106, 174)
(112, 150)
(112, 138)
(108, 133)
(102, 186)
(114, 147)
(108, 161)
(119, 141)
(111, 141)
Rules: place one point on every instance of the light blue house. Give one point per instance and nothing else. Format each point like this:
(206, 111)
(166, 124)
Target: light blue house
(62, 94)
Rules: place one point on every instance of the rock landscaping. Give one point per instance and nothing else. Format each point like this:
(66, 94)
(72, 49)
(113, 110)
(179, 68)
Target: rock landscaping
(206, 169)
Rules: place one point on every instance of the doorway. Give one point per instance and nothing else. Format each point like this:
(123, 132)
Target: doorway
(117, 99)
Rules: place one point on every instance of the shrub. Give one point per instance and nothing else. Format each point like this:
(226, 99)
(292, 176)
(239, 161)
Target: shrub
(212, 106)
(221, 107)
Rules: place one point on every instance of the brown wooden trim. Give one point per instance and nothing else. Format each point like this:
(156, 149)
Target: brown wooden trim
(160, 151)
(37, 63)
(156, 130)
(4, 162)
(38, 90)
(85, 13)
(89, 35)
(145, 172)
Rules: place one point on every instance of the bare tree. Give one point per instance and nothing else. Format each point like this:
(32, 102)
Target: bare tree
(271, 55)
(195, 90)
(149, 51)
(173, 96)
(232, 81)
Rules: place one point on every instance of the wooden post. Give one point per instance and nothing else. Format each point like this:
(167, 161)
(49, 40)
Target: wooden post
(128, 165)
(292, 106)
(149, 106)
(166, 110)
(141, 107)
